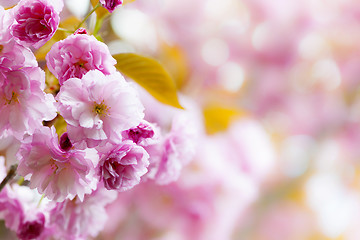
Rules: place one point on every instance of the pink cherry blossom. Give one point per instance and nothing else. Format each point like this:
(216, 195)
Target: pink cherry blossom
(8, 3)
(177, 146)
(10, 207)
(31, 229)
(75, 219)
(81, 31)
(65, 143)
(78, 54)
(24, 213)
(57, 173)
(9, 146)
(10, 210)
(123, 165)
(242, 142)
(21, 210)
(111, 5)
(6, 20)
(144, 134)
(23, 104)
(35, 22)
(14, 56)
(98, 107)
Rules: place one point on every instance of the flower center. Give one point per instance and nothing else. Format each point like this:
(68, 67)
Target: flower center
(64, 142)
(101, 108)
(1, 48)
(54, 167)
(81, 63)
(13, 99)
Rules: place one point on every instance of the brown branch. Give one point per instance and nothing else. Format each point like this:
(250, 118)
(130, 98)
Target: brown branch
(11, 173)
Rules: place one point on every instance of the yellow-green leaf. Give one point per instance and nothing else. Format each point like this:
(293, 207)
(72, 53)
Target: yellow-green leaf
(60, 125)
(175, 61)
(149, 74)
(218, 118)
(127, 1)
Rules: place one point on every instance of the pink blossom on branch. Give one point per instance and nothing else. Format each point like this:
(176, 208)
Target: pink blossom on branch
(14, 56)
(24, 213)
(6, 20)
(35, 22)
(75, 219)
(9, 146)
(57, 173)
(143, 135)
(178, 141)
(98, 107)
(81, 31)
(21, 210)
(23, 103)
(122, 166)
(111, 5)
(32, 228)
(10, 210)
(177, 150)
(74, 56)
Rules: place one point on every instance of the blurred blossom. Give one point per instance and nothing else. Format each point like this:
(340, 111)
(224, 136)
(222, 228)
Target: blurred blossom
(336, 215)
(292, 67)
(215, 52)
(8, 3)
(232, 75)
(297, 152)
(75, 219)
(141, 26)
(79, 8)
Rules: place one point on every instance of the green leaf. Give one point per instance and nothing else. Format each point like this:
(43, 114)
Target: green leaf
(149, 74)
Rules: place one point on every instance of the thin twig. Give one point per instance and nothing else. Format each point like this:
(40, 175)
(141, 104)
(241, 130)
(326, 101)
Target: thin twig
(11, 173)
(64, 30)
(87, 16)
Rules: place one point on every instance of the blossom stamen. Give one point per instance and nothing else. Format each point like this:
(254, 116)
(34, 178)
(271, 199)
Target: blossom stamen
(100, 109)
(54, 167)
(13, 99)
(81, 63)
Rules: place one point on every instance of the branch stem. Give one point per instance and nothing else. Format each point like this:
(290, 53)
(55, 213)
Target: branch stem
(11, 173)
(88, 15)
(64, 30)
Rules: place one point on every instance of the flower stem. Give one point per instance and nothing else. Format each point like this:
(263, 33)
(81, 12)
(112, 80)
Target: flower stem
(11, 173)
(42, 197)
(88, 15)
(64, 30)
(98, 25)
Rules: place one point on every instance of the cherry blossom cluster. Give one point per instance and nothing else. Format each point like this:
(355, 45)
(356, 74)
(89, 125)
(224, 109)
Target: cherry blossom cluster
(67, 174)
